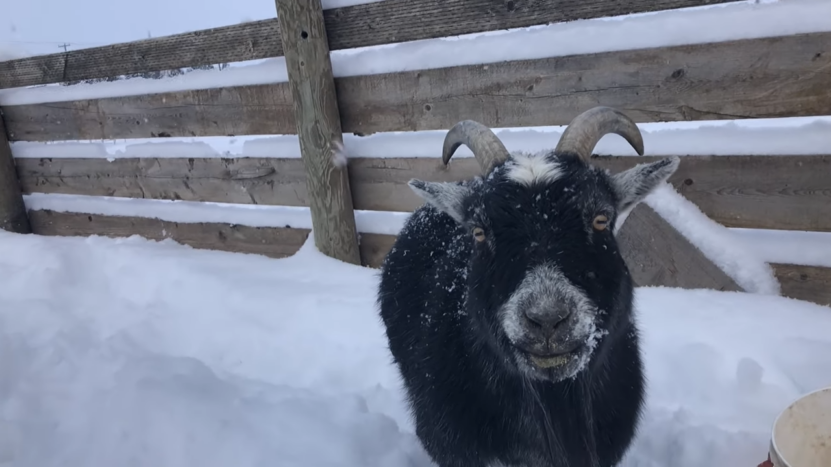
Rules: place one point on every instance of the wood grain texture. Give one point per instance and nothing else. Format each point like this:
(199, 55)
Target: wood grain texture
(244, 180)
(347, 27)
(12, 209)
(756, 78)
(239, 42)
(810, 283)
(769, 77)
(768, 192)
(319, 130)
(658, 255)
(244, 110)
(762, 192)
(271, 242)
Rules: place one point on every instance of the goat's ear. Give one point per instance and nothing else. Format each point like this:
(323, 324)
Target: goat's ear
(633, 185)
(447, 197)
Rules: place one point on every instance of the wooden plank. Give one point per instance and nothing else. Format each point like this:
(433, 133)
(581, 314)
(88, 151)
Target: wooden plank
(809, 283)
(726, 80)
(347, 27)
(755, 78)
(769, 192)
(245, 180)
(244, 110)
(12, 209)
(763, 192)
(659, 255)
(239, 42)
(319, 130)
(271, 242)
(374, 248)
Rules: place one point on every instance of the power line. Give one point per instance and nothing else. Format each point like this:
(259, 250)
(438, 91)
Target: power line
(64, 46)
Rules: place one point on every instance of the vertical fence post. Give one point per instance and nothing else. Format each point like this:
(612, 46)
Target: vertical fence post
(13, 217)
(306, 49)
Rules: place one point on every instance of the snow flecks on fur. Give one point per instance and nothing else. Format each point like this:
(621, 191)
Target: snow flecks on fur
(447, 197)
(587, 326)
(547, 288)
(339, 155)
(531, 169)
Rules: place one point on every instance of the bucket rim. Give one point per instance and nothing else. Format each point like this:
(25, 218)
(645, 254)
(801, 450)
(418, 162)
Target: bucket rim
(776, 450)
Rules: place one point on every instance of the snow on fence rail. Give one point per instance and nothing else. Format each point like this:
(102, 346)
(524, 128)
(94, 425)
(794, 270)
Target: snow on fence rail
(760, 77)
(372, 24)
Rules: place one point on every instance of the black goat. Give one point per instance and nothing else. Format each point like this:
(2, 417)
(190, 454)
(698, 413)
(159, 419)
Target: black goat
(508, 307)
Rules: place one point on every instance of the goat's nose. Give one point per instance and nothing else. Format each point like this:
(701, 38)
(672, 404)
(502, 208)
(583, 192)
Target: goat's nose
(547, 319)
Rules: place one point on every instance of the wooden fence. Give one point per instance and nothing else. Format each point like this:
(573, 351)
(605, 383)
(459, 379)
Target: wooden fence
(784, 76)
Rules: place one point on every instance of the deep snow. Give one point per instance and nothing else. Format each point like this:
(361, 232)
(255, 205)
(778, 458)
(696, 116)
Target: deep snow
(133, 352)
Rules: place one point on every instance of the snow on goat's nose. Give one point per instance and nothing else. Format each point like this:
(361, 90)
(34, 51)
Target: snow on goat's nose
(543, 300)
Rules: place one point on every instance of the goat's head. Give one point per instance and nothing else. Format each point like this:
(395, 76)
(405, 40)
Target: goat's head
(546, 279)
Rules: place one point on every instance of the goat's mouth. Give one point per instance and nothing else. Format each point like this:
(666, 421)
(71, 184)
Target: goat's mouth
(560, 357)
(552, 361)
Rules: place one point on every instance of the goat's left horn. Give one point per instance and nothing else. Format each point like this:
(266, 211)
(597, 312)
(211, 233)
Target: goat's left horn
(481, 140)
(583, 133)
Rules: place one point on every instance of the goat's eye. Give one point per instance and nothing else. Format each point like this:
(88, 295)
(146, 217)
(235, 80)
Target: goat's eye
(600, 222)
(479, 234)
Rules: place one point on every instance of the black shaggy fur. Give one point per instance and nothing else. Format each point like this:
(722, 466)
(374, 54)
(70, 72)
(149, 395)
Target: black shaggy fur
(439, 295)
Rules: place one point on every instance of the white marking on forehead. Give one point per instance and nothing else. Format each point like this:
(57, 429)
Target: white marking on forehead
(530, 169)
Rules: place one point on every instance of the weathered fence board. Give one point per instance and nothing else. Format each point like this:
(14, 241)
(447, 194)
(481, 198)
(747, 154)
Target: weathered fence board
(808, 283)
(244, 180)
(271, 242)
(770, 77)
(659, 255)
(12, 209)
(348, 27)
(319, 131)
(769, 192)
(243, 110)
(763, 192)
(725, 80)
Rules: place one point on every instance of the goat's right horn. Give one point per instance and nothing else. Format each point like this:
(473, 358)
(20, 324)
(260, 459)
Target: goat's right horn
(583, 133)
(481, 140)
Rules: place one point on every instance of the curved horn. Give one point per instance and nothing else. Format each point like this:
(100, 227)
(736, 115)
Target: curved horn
(481, 140)
(583, 133)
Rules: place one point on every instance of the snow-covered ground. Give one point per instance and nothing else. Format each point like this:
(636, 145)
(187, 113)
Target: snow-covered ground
(132, 352)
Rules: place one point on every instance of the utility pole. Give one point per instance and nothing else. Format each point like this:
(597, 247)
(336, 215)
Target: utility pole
(64, 46)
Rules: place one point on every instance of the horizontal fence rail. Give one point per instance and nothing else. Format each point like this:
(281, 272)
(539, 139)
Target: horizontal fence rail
(768, 192)
(751, 78)
(800, 282)
(355, 26)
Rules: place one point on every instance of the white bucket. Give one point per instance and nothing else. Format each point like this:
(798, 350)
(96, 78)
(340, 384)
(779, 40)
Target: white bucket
(801, 434)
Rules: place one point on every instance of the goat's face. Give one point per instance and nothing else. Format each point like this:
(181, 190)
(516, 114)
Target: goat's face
(546, 275)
